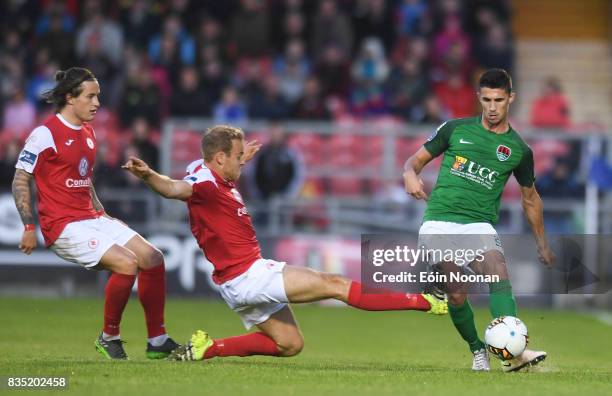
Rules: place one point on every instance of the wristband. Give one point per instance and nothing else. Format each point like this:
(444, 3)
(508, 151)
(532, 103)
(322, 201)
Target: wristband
(30, 227)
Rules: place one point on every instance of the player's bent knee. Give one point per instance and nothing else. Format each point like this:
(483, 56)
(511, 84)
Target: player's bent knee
(154, 259)
(127, 264)
(291, 347)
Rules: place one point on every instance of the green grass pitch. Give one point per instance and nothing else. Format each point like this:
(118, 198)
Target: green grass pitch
(348, 352)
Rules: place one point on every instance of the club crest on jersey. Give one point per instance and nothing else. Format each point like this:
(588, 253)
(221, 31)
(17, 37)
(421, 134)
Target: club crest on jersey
(83, 165)
(90, 143)
(503, 152)
(93, 244)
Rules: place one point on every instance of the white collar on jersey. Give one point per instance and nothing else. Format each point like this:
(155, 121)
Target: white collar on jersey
(65, 122)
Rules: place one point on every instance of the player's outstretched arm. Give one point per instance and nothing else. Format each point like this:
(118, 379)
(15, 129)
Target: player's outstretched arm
(533, 208)
(161, 184)
(22, 194)
(413, 166)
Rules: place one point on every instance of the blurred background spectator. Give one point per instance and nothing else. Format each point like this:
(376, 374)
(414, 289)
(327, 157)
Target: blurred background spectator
(259, 59)
(551, 108)
(278, 168)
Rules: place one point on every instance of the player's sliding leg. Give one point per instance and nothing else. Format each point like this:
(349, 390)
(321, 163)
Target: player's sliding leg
(152, 295)
(306, 285)
(123, 264)
(279, 335)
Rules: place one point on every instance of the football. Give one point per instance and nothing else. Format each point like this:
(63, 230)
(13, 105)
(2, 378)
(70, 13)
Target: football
(506, 337)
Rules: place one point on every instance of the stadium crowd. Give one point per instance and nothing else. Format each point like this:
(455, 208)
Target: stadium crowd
(235, 60)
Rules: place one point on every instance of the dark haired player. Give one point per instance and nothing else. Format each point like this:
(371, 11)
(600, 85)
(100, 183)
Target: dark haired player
(59, 156)
(480, 154)
(258, 290)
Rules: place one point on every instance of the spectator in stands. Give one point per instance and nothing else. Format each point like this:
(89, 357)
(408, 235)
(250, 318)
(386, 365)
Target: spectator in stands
(107, 32)
(249, 77)
(55, 11)
(312, 105)
(494, 49)
(334, 71)
(249, 30)
(213, 80)
(331, 26)
(271, 104)
(457, 95)
(141, 97)
(189, 99)
(450, 34)
(211, 41)
(41, 79)
(407, 87)
(55, 31)
(431, 112)
(8, 159)
(106, 173)
(409, 15)
(560, 183)
(551, 108)
(141, 140)
(94, 59)
(278, 168)
(173, 46)
(19, 115)
(374, 18)
(230, 110)
(369, 71)
(139, 23)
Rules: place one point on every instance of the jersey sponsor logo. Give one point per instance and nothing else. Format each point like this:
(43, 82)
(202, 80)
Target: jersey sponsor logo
(473, 171)
(27, 157)
(83, 165)
(69, 142)
(465, 141)
(242, 211)
(90, 143)
(77, 183)
(503, 152)
(459, 163)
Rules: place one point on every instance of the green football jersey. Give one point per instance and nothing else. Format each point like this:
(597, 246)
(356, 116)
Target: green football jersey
(476, 166)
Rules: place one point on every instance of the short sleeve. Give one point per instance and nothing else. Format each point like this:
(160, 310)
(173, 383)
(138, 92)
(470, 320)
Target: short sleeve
(202, 182)
(524, 172)
(439, 140)
(39, 140)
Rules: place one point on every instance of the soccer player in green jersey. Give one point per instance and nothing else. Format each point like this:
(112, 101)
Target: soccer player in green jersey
(480, 154)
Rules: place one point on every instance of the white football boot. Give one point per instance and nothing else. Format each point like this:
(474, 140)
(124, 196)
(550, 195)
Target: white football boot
(481, 360)
(527, 359)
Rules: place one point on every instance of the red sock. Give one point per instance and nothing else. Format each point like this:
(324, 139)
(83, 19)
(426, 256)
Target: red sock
(244, 345)
(118, 289)
(152, 296)
(385, 300)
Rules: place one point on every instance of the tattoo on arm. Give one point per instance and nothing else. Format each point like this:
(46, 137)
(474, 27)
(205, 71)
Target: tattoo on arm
(22, 193)
(94, 200)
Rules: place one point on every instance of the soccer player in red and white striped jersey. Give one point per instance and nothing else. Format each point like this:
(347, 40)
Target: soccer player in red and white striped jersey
(258, 290)
(59, 155)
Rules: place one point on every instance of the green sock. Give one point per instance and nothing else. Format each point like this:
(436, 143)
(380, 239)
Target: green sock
(501, 300)
(463, 319)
